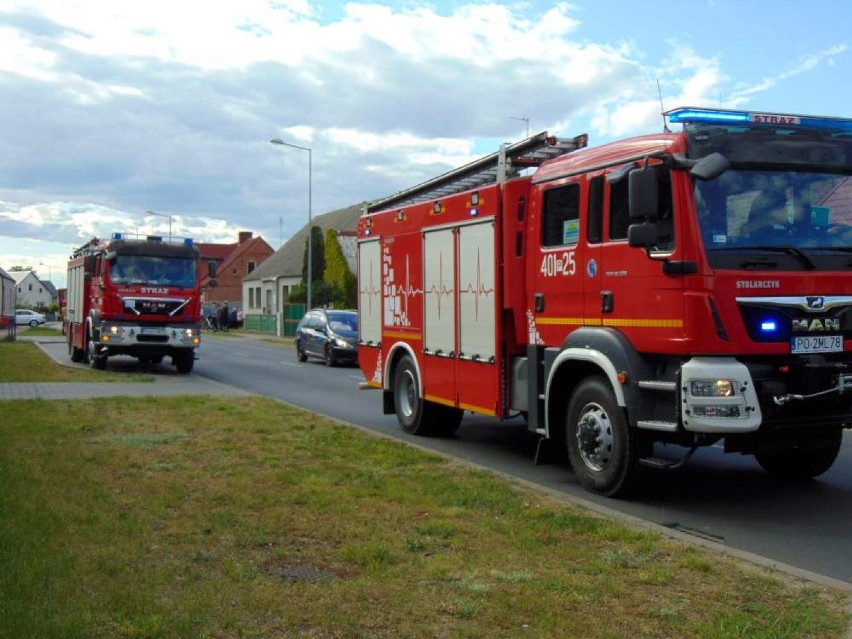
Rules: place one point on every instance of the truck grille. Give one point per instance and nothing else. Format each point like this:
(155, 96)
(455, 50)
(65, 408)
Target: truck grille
(140, 306)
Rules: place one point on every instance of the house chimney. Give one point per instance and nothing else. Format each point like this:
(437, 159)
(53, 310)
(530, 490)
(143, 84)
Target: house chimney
(244, 236)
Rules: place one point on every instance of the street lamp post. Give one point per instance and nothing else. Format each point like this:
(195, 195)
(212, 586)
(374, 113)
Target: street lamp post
(169, 217)
(281, 142)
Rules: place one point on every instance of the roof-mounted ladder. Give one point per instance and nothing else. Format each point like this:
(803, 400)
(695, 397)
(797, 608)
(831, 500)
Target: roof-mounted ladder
(505, 164)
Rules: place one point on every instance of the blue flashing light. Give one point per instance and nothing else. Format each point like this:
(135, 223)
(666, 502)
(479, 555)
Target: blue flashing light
(187, 241)
(706, 115)
(117, 236)
(768, 326)
(685, 115)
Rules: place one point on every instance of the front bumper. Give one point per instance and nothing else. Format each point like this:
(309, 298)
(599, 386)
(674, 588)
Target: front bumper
(127, 338)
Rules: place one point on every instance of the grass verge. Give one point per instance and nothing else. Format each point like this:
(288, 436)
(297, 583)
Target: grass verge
(26, 362)
(40, 331)
(200, 517)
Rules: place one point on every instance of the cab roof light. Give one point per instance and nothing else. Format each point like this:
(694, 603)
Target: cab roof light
(722, 116)
(117, 236)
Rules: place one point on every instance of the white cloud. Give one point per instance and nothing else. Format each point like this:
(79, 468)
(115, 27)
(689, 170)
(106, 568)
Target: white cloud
(114, 107)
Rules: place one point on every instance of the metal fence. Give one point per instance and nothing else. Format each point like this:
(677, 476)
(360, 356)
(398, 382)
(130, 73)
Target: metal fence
(269, 323)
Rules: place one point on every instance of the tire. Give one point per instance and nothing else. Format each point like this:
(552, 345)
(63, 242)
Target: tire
(300, 354)
(415, 416)
(33, 323)
(74, 353)
(602, 449)
(803, 462)
(183, 361)
(446, 420)
(86, 353)
(329, 356)
(96, 360)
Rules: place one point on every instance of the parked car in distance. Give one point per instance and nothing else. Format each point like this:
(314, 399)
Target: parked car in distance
(26, 316)
(329, 335)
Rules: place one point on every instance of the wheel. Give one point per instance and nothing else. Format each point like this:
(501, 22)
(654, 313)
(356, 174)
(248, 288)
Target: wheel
(300, 354)
(411, 410)
(33, 323)
(75, 353)
(183, 361)
(446, 419)
(329, 356)
(602, 449)
(804, 460)
(96, 360)
(86, 353)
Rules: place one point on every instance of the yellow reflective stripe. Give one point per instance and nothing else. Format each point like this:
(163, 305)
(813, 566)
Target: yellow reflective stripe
(411, 336)
(644, 323)
(610, 321)
(478, 409)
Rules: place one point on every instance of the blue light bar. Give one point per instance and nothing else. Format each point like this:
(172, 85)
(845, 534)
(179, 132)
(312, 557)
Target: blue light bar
(187, 241)
(117, 236)
(769, 326)
(722, 116)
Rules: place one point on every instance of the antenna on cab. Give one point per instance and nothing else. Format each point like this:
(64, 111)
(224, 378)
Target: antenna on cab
(662, 108)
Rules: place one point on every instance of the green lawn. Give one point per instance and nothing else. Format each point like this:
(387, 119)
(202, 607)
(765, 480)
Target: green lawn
(222, 517)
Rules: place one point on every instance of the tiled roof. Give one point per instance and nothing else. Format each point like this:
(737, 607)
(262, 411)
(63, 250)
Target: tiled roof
(287, 260)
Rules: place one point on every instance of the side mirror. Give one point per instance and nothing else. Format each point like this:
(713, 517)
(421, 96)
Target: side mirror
(642, 235)
(710, 167)
(643, 192)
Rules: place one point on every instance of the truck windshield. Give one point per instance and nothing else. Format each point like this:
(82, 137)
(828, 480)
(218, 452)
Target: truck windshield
(774, 211)
(176, 272)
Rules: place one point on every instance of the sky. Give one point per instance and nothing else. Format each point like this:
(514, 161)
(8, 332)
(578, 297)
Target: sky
(120, 116)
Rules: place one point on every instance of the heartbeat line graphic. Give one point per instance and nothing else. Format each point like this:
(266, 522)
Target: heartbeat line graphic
(478, 288)
(371, 291)
(441, 291)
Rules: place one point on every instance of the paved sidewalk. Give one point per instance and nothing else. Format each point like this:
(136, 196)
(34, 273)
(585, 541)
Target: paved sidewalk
(167, 383)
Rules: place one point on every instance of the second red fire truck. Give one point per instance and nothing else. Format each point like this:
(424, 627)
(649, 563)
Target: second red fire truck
(686, 288)
(134, 296)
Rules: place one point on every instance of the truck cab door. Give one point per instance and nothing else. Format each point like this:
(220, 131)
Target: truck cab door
(635, 296)
(556, 254)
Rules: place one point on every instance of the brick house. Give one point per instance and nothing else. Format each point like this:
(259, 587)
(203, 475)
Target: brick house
(233, 263)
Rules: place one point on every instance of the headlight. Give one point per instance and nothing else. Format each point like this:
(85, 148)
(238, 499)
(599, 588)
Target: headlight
(110, 332)
(712, 388)
(342, 343)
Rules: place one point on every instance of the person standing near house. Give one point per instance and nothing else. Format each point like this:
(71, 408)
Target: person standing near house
(222, 316)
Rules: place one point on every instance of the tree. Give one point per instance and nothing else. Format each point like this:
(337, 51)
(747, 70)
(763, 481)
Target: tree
(337, 272)
(317, 257)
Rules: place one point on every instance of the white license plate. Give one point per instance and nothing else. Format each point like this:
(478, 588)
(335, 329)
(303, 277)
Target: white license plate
(153, 330)
(817, 344)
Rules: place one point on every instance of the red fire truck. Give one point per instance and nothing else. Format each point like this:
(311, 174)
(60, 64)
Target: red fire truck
(683, 288)
(134, 296)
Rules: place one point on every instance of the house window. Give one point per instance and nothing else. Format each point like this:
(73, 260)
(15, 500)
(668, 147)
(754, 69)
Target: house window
(251, 298)
(257, 296)
(31, 286)
(251, 266)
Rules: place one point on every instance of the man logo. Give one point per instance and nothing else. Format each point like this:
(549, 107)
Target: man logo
(816, 325)
(815, 303)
